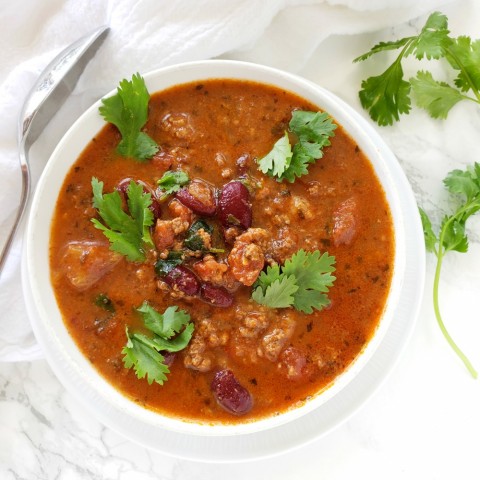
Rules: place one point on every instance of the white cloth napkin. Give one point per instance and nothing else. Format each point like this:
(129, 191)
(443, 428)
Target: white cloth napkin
(145, 34)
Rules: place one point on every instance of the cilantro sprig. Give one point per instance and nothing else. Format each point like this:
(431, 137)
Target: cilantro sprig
(388, 95)
(313, 131)
(464, 186)
(128, 111)
(171, 182)
(170, 332)
(302, 282)
(128, 234)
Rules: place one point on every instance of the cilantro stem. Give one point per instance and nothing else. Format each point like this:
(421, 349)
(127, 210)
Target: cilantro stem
(436, 306)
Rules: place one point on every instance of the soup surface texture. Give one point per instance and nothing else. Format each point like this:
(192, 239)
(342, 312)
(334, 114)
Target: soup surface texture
(269, 359)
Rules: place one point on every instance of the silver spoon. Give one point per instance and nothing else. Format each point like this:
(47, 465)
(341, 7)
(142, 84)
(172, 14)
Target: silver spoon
(51, 89)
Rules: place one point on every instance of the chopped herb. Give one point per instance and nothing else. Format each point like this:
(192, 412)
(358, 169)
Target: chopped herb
(104, 302)
(128, 234)
(128, 111)
(313, 131)
(171, 182)
(303, 282)
(465, 186)
(165, 266)
(171, 331)
(193, 240)
(387, 95)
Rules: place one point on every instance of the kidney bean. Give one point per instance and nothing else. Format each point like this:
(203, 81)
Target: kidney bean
(229, 394)
(156, 209)
(199, 197)
(217, 296)
(155, 206)
(234, 206)
(168, 357)
(122, 186)
(184, 279)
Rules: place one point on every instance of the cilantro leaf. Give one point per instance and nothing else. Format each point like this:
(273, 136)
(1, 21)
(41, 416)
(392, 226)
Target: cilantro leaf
(387, 96)
(383, 47)
(278, 294)
(128, 234)
(433, 38)
(167, 324)
(265, 279)
(278, 159)
(463, 54)
(302, 282)
(464, 185)
(436, 97)
(173, 345)
(313, 274)
(145, 360)
(453, 235)
(128, 111)
(313, 130)
(430, 237)
(172, 331)
(172, 181)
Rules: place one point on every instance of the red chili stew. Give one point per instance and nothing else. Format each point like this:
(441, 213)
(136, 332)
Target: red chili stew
(273, 359)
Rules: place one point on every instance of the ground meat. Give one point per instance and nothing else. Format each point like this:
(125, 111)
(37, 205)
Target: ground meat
(212, 335)
(301, 208)
(196, 357)
(231, 233)
(205, 237)
(258, 236)
(207, 335)
(344, 223)
(85, 263)
(209, 270)
(163, 161)
(253, 323)
(276, 337)
(178, 125)
(246, 259)
(178, 209)
(293, 364)
(166, 231)
(227, 173)
(284, 246)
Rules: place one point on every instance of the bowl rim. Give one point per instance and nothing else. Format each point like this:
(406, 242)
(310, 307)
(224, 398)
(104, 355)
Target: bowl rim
(70, 365)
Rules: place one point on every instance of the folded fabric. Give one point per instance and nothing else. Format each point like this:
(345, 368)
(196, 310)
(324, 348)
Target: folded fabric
(145, 35)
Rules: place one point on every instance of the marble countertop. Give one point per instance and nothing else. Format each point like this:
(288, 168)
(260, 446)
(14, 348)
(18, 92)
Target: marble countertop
(423, 423)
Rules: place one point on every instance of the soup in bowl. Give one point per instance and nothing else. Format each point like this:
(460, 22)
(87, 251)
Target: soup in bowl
(219, 260)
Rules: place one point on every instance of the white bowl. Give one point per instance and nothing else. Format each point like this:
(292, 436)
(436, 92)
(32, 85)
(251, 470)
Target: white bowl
(76, 372)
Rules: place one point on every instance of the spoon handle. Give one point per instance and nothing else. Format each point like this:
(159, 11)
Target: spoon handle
(23, 154)
(53, 86)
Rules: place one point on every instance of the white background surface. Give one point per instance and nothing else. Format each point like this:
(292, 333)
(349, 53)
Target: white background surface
(424, 422)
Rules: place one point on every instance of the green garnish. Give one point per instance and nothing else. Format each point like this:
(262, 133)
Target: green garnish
(465, 186)
(102, 301)
(171, 331)
(387, 96)
(171, 182)
(128, 111)
(128, 233)
(193, 240)
(303, 282)
(165, 266)
(313, 131)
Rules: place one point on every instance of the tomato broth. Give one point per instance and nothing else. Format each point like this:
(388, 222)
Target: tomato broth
(215, 131)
